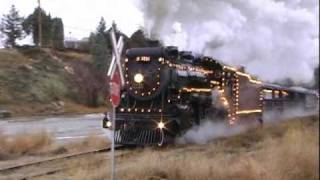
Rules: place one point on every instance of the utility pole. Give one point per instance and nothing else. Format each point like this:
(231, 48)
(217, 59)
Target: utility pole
(39, 25)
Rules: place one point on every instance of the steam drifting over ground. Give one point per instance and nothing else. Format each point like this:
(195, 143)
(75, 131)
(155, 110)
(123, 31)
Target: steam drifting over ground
(209, 130)
(274, 39)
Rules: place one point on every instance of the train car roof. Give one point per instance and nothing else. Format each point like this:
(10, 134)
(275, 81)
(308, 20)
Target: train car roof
(303, 90)
(292, 89)
(274, 86)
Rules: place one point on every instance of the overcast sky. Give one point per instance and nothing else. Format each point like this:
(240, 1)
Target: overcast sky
(80, 17)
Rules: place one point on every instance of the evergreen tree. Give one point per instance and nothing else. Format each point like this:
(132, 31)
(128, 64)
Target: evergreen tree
(57, 33)
(138, 39)
(101, 58)
(1, 36)
(11, 27)
(99, 47)
(30, 25)
(47, 30)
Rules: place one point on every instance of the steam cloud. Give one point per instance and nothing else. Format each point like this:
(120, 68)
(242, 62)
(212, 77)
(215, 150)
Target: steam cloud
(274, 39)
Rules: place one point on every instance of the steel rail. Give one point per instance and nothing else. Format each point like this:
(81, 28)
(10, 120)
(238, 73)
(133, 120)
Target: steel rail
(7, 170)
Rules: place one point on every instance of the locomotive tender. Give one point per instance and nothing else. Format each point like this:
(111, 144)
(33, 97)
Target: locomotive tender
(169, 91)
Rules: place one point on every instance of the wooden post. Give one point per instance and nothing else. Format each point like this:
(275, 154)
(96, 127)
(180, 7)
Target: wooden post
(39, 25)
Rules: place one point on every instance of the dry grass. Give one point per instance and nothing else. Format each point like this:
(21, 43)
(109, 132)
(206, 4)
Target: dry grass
(288, 151)
(92, 142)
(72, 55)
(74, 108)
(9, 57)
(24, 144)
(43, 144)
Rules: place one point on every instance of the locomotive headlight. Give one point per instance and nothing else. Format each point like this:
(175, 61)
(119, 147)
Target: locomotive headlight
(138, 78)
(109, 124)
(160, 125)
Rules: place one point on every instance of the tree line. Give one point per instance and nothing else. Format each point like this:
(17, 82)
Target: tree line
(92, 83)
(88, 81)
(15, 27)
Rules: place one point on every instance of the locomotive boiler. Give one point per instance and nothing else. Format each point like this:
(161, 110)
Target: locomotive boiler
(169, 91)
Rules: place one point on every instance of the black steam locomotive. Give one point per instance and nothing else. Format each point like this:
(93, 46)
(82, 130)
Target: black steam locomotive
(169, 91)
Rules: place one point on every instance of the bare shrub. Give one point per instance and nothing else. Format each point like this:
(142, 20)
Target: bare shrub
(30, 143)
(88, 85)
(3, 141)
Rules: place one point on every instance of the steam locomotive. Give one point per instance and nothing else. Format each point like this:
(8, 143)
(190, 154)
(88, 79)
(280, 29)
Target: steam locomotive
(169, 91)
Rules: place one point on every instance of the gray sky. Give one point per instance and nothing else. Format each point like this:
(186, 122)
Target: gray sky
(257, 34)
(80, 17)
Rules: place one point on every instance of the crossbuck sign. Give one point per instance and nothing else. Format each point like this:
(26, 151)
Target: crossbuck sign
(115, 75)
(116, 55)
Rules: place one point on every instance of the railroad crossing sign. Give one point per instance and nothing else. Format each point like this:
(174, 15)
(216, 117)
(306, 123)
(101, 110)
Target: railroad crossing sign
(116, 55)
(116, 83)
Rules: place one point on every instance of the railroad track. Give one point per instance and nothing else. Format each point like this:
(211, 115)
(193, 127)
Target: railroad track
(12, 170)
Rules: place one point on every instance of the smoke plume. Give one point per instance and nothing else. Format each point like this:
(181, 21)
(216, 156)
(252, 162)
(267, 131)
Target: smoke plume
(274, 39)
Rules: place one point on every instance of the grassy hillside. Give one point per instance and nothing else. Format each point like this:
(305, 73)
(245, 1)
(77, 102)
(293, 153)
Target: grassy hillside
(38, 82)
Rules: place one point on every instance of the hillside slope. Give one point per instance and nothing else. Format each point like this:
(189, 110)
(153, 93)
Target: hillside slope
(39, 82)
